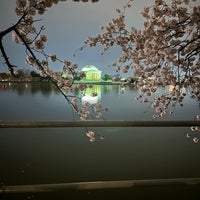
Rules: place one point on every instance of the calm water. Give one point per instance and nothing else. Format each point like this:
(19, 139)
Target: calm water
(42, 155)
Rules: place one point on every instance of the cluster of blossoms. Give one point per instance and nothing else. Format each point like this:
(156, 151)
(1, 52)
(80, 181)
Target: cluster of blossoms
(87, 110)
(83, 111)
(91, 136)
(196, 130)
(39, 43)
(165, 53)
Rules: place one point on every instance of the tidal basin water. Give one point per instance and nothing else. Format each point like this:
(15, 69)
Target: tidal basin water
(57, 155)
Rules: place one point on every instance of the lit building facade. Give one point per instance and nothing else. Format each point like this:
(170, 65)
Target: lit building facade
(91, 73)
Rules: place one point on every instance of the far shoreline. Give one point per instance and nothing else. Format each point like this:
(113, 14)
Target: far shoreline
(76, 82)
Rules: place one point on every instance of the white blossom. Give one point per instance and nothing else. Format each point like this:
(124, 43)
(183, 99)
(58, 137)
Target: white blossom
(53, 57)
(30, 60)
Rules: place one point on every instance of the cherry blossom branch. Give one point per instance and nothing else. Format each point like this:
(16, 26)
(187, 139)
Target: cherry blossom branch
(2, 34)
(54, 81)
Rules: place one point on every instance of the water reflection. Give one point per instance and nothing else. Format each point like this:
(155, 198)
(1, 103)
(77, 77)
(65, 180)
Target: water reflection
(106, 89)
(111, 96)
(21, 88)
(91, 95)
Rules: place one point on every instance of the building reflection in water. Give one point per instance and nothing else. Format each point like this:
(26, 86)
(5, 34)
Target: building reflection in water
(91, 95)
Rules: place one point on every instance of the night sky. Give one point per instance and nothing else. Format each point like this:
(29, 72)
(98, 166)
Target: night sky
(68, 24)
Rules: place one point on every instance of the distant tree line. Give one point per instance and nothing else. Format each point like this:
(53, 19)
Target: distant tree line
(21, 75)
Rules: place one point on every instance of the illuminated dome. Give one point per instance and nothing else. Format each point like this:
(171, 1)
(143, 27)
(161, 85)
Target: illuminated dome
(91, 73)
(89, 68)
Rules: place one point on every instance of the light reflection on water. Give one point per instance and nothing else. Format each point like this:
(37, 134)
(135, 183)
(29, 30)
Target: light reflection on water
(42, 101)
(44, 155)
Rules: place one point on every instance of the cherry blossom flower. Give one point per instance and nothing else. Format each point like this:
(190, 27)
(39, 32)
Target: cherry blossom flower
(91, 136)
(30, 60)
(53, 57)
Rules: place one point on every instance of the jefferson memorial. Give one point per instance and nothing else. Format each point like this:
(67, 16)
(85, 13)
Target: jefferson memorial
(91, 73)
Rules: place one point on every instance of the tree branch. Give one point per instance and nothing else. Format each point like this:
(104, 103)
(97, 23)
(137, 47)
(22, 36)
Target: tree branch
(10, 29)
(2, 34)
(42, 69)
(6, 58)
